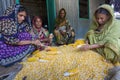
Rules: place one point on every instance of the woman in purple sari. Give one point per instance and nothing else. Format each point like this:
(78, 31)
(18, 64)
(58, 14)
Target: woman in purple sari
(15, 40)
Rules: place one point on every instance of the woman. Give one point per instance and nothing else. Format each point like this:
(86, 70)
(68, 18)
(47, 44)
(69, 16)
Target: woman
(15, 41)
(40, 33)
(104, 34)
(63, 32)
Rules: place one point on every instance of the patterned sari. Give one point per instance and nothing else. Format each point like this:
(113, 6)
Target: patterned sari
(40, 33)
(11, 32)
(64, 26)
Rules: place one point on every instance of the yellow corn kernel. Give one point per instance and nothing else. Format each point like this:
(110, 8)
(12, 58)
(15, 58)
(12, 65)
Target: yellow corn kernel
(32, 59)
(35, 52)
(53, 52)
(38, 55)
(51, 49)
(81, 41)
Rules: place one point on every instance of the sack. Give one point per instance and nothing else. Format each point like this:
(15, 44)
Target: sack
(113, 74)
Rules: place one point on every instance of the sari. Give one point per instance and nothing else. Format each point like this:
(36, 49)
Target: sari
(41, 34)
(64, 26)
(11, 32)
(109, 36)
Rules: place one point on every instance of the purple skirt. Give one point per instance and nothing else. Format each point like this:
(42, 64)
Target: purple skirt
(12, 53)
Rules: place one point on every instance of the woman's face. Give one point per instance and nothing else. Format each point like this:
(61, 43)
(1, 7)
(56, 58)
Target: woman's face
(102, 18)
(62, 14)
(21, 16)
(38, 22)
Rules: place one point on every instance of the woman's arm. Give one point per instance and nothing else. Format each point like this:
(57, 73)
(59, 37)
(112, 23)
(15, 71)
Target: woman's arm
(34, 42)
(94, 46)
(25, 42)
(88, 47)
(45, 40)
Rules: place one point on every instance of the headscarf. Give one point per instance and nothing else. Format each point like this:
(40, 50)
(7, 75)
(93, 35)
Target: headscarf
(9, 20)
(94, 23)
(59, 20)
(109, 36)
(39, 31)
(108, 25)
(9, 26)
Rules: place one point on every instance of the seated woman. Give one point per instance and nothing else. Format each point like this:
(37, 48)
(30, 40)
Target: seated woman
(104, 34)
(15, 41)
(40, 33)
(63, 32)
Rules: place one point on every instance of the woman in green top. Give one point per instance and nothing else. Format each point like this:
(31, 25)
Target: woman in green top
(63, 32)
(104, 34)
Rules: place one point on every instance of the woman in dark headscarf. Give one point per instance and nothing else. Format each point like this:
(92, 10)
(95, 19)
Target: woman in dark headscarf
(15, 41)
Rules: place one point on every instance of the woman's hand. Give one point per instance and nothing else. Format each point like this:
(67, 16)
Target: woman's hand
(85, 47)
(36, 42)
(62, 32)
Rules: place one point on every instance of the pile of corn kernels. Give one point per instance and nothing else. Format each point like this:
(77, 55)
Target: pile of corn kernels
(64, 63)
